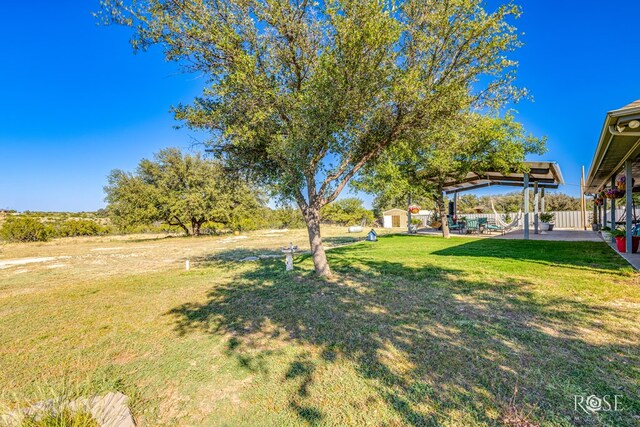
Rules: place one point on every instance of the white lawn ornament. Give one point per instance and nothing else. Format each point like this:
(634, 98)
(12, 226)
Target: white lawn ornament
(372, 236)
(289, 256)
(186, 265)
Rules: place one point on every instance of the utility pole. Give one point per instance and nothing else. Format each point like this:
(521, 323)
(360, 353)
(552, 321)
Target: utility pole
(583, 204)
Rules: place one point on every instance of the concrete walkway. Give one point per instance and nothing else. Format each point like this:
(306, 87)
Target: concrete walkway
(564, 235)
(633, 259)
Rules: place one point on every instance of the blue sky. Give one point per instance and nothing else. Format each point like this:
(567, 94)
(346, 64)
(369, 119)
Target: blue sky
(76, 102)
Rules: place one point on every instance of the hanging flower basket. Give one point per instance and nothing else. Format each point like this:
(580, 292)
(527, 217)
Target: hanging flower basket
(614, 193)
(414, 209)
(621, 182)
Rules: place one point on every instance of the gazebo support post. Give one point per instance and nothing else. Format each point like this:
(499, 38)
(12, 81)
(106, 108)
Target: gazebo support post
(455, 204)
(605, 222)
(628, 204)
(542, 204)
(536, 201)
(613, 209)
(408, 214)
(526, 206)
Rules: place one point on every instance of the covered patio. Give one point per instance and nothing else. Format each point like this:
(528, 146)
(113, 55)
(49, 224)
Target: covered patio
(612, 174)
(540, 176)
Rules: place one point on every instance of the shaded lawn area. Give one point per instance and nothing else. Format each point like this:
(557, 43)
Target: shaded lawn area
(413, 330)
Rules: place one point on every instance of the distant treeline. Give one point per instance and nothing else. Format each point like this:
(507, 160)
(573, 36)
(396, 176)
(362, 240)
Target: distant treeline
(43, 226)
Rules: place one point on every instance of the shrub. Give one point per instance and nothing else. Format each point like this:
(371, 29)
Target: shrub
(25, 229)
(81, 227)
(287, 217)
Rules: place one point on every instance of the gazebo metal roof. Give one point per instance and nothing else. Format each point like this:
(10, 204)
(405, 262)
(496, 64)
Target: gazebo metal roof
(618, 142)
(546, 174)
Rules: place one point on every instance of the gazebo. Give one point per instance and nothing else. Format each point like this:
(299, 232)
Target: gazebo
(616, 159)
(540, 176)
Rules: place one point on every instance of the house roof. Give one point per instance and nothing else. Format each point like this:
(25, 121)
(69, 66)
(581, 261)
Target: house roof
(617, 143)
(546, 174)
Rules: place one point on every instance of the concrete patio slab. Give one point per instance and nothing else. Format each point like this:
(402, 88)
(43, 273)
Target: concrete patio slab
(564, 235)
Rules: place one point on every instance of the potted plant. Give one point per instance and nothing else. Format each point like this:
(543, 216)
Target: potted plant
(415, 224)
(545, 221)
(595, 226)
(606, 233)
(621, 240)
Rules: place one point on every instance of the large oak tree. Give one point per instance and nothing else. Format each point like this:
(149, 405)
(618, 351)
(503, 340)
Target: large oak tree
(301, 95)
(181, 190)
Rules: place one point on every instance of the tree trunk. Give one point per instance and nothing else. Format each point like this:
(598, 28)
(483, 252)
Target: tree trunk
(179, 224)
(184, 227)
(443, 215)
(312, 218)
(196, 228)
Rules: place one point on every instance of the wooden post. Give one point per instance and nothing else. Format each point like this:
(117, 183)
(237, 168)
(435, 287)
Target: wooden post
(582, 205)
(526, 206)
(628, 172)
(536, 200)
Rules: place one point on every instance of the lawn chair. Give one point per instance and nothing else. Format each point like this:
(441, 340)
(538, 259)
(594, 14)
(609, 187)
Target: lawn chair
(459, 226)
(482, 222)
(473, 225)
(492, 226)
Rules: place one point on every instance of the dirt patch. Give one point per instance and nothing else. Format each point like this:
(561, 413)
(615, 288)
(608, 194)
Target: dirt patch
(22, 261)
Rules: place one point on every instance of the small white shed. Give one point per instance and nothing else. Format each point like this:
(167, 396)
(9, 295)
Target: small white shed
(394, 218)
(397, 218)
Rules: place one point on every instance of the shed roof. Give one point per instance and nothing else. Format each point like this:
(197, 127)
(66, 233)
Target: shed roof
(394, 210)
(546, 174)
(617, 143)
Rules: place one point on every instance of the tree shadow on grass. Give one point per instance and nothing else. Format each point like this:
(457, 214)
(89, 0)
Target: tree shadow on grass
(595, 256)
(435, 343)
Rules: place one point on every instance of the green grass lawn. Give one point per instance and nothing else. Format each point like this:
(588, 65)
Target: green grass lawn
(412, 330)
